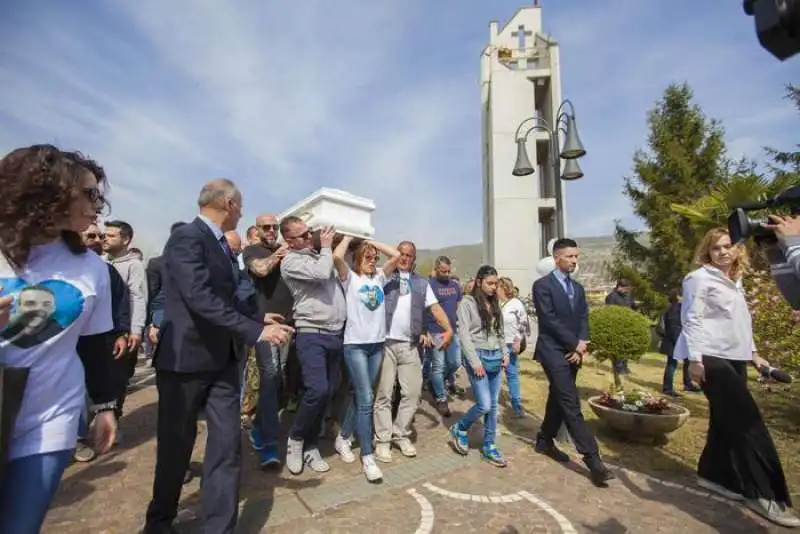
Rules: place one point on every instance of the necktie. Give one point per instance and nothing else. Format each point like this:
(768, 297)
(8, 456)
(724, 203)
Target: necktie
(570, 288)
(224, 243)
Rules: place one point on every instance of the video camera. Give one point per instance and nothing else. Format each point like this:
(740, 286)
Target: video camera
(740, 226)
(777, 25)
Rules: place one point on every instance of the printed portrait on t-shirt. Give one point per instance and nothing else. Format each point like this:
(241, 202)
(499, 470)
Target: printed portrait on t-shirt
(371, 296)
(40, 311)
(405, 286)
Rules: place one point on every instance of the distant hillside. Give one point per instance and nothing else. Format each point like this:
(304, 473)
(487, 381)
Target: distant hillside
(596, 252)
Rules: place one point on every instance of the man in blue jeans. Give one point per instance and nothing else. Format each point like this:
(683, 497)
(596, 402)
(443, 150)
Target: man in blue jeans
(441, 364)
(263, 260)
(319, 315)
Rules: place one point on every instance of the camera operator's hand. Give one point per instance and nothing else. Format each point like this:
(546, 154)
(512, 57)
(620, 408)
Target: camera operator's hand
(784, 226)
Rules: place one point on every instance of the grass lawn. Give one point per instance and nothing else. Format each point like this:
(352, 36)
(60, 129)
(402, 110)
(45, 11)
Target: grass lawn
(677, 458)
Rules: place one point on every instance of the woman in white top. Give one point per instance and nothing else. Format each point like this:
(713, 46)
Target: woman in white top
(515, 331)
(739, 460)
(364, 335)
(60, 297)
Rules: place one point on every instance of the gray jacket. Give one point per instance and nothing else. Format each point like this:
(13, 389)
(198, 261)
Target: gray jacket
(471, 333)
(132, 270)
(319, 300)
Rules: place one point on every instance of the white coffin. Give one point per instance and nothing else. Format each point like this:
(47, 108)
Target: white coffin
(351, 215)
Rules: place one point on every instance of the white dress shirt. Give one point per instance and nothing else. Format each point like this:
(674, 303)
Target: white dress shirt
(715, 318)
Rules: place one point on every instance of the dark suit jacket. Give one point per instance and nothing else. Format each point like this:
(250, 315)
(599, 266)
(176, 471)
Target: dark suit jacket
(154, 269)
(120, 302)
(201, 325)
(672, 328)
(561, 326)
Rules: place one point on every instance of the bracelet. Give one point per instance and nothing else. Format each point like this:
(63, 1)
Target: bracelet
(104, 407)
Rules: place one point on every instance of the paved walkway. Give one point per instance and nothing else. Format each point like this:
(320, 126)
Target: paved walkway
(438, 492)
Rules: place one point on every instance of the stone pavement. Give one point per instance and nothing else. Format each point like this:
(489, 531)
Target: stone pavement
(438, 491)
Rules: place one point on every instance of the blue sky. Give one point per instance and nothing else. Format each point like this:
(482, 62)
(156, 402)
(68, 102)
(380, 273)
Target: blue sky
(377, 98)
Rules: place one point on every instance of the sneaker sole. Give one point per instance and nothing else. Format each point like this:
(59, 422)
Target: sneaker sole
(493, 462)
(719, 490)
(268, 464)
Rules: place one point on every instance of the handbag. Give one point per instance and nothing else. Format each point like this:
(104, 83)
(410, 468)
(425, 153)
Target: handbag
(13, 381)
(492, 365)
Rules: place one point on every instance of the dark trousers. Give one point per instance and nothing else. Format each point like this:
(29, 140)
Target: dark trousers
(564, 406)
(739, 453)
(123, 369)
(320, 358)
(180, 398)
(269, 392)
(669, 375)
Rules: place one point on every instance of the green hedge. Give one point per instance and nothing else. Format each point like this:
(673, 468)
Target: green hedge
(618, 333)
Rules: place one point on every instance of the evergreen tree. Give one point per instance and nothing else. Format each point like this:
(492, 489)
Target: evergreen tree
(685, 161)
(788, 162)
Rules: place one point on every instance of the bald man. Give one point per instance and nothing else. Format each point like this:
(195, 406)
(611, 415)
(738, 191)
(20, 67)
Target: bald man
(263, 260)
(197, 363)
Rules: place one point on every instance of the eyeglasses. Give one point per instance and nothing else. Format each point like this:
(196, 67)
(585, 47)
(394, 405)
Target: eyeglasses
(266, 227)
(93, 235)
(93, 194)
(304, 235)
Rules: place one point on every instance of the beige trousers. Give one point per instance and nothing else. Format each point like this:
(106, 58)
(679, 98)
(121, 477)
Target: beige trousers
(400, 363)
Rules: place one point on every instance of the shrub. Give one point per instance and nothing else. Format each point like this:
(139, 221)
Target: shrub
(618, 333)
(773, 328)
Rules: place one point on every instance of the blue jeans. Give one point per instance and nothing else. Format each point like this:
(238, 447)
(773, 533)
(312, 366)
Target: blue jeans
(30, 483)
(443, 365)
(486, 390)
(320, 358)
(269, 387)
(669, 375)
(512, 378)
(363, 364)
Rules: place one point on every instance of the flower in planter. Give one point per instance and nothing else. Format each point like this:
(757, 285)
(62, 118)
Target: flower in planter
(503, 52)
(634, 401)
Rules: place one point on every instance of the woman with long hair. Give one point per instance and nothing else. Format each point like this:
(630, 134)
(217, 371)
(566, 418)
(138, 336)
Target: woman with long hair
(61, 298)
(364, 336)
(739, 460)
(515, 331)
(480, 330)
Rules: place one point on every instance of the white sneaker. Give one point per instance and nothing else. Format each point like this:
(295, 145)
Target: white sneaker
(313, 459)
(383, 452)
(407, 448)
(371, 469)
(719, 490)
(345, 449)
(294, 456)
(776, 512)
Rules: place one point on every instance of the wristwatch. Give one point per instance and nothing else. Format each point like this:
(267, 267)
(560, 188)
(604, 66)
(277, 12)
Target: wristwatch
(110, 406)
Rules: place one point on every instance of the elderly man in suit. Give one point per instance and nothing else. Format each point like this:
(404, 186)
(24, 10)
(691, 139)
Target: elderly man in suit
(196, 363)
(562, 343)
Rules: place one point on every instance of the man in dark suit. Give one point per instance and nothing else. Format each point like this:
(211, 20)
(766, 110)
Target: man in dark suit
(562, 343)
(196, 363)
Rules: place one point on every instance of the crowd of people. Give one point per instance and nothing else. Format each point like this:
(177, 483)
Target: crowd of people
(320, 313)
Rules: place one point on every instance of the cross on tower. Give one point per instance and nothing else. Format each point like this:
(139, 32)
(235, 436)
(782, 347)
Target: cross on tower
(522, 34)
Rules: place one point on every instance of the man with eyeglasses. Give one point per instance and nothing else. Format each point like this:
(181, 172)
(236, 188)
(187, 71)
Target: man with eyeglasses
(262, 260)
(319, 315)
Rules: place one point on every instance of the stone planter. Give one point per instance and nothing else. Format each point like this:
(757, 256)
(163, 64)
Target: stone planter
(640, 425)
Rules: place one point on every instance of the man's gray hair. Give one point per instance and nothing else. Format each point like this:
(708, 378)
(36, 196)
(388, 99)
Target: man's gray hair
(216, 192)
(442, 260)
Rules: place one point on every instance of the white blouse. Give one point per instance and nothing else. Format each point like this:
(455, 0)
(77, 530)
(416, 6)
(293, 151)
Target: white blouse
(715, 318)
(515, 320)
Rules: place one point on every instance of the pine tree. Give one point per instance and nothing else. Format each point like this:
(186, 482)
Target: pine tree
(685, 161)
(788, 162)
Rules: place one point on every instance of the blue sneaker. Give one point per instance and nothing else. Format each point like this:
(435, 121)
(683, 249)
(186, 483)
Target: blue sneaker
(460, 440)
(254, 434)
(493, 456)
(268, 457)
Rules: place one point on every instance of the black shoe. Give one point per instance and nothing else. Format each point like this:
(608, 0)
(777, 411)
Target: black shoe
(599, 473)
(188, 476)
(548, 448)
(443, 408)
(693, 389)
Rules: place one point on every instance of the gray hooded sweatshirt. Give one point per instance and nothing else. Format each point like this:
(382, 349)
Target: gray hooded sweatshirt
(133, 272)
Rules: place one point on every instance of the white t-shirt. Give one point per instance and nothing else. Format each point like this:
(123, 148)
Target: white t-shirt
(400, 329)
(515, 320)
(58, 297)
(366, 313)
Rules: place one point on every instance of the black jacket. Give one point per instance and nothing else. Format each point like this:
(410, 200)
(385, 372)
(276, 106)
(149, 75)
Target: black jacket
(672, 328)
